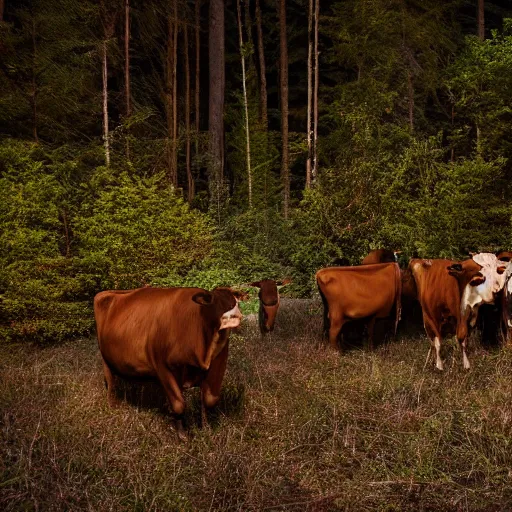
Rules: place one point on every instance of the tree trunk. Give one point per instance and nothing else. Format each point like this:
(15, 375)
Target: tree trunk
(175, 97)
(66, 233)
(410, 94)
(190, 180)
(216, 102)
(478, 139)
(106, 134)
(2, 5)
(481, 20)
(108, 20)
(283, 83)
(263, 71)
(198, 70)
(310, 92)
(127, 68)
(246, 108)
(169, 99)
(33, 94)
(452, 153)
(314, 170)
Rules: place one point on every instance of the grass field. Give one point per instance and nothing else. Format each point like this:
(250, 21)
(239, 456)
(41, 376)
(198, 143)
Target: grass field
(299, 427)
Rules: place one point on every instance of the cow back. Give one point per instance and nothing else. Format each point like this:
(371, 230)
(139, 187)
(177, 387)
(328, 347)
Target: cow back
(139, 329)
(379, 256)
(362, 291)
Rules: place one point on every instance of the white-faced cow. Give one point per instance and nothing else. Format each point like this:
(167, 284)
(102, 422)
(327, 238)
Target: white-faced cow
(177, 335)
(486, 300)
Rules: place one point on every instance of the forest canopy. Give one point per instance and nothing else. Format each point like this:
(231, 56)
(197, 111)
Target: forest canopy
(207, 143)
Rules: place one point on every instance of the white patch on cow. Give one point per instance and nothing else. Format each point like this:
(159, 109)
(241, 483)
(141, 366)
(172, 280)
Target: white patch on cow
(474, 296)
(465, 360)
(437, 345)
(231, 318)
(508, 290)
(508, 280)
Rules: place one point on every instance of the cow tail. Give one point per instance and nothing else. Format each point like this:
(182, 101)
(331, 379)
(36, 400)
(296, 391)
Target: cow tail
(398, 293)
(261, 318)
(326, 324)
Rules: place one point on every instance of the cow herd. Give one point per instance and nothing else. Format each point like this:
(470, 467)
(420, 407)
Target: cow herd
(180, 335)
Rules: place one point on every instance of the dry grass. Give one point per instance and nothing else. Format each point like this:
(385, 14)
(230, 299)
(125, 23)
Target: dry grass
(298, 428)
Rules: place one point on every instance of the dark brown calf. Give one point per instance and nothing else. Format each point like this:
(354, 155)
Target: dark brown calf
(269, 302)
(379, 256)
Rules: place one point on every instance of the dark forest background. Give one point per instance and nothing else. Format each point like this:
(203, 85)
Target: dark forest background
(129, 158)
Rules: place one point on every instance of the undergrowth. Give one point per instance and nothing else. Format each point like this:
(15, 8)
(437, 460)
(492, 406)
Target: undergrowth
(299, 427)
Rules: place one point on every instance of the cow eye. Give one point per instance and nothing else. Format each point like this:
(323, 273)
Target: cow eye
(477, 280)
(501, 270)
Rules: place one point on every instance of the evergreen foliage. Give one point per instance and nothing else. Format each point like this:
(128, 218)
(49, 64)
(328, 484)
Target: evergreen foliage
(61, 243)
(414, 150)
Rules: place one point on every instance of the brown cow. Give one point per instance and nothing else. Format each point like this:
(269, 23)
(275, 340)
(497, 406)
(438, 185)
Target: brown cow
(269, 302)
(443, 289)
(379, 256)
(178, 335)
(350, 293)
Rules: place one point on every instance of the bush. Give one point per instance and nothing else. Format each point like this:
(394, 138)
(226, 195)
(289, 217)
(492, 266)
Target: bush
(137, 231)
(59, 247)
(40, 294)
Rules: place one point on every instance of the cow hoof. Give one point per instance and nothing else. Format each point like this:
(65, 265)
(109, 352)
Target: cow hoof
(180, 431)
(440, 366)
(182, 436)
(113, 402)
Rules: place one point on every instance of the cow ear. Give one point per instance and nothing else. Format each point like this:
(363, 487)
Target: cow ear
(240, 295)
(505, 259)
(455, 270)
(203, 298)
(477, 280)
(256, 284)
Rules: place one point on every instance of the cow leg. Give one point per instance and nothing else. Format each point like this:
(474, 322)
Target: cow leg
(462, 337)
(435, 337)
(465, 360)
(110, 385)
(371, 329)
(336, 323)
(175, 399)
(210, 386)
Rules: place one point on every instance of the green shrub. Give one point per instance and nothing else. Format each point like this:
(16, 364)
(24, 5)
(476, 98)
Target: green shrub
(62, 243)
(137, 231)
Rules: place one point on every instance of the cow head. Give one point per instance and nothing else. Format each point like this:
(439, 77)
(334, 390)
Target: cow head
(269, 301)
(494, 272)
(268, 293)
(222, 303)
(471, 286)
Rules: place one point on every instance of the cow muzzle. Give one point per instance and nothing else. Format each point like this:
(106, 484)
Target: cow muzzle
(231, 318)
